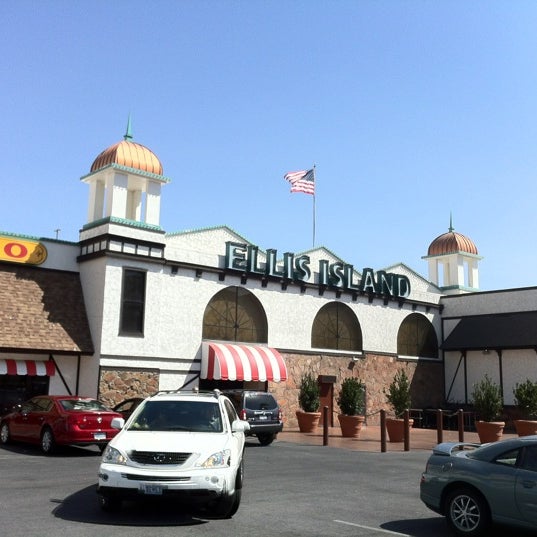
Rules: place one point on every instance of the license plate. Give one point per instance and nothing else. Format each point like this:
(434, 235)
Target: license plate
(99, 436)
(263, 417)
(149, 488)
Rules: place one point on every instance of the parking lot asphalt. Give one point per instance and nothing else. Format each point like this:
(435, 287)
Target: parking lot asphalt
(369, 439)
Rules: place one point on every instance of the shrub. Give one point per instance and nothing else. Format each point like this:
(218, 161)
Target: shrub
(351, 398)
(398, 393)
(487, 399)
(309, 394)
(526, 399)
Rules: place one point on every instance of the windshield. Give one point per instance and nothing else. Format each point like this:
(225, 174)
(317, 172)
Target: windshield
(194, 416)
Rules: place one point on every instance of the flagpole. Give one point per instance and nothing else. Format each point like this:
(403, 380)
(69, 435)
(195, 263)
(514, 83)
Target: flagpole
(315, 189)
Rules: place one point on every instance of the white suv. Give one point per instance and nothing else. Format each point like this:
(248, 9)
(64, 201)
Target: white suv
(184, 444)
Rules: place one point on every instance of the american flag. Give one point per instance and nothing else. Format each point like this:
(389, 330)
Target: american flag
(302, 181)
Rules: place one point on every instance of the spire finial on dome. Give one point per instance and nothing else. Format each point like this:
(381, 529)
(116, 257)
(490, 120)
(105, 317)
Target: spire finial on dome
(451, 228)
(128, 134)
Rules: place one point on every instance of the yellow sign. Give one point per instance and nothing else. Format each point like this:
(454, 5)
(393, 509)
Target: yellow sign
(22, 251)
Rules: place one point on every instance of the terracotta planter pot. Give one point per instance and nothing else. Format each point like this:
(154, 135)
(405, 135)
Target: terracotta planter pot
(350, 425)
(308, 421)
(526, 427)
(489, 431)
(396, 428)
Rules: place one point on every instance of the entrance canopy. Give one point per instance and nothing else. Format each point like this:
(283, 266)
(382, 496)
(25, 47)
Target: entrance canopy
(27, 367)
(498, 331)
(230, 361)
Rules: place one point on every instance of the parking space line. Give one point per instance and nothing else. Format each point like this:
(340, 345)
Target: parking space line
(380, 530)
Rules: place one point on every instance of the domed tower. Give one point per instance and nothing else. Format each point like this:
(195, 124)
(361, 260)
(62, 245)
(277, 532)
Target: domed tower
(125, 183)
(453, 260)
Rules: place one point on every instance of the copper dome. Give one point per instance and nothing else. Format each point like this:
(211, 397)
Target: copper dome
(129, 154)
(452, 242)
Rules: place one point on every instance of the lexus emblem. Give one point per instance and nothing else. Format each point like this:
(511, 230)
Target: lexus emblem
(159, 457)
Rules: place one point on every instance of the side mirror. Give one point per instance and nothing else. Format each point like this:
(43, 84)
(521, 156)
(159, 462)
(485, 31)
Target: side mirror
(117, 423)
(239, 426)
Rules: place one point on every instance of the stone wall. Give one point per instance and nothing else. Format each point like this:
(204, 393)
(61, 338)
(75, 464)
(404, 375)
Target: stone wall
(116, 385)
(376, 371)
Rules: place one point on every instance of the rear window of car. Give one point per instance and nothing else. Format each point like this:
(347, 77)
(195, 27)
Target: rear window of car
(82, 404)
(259, 401)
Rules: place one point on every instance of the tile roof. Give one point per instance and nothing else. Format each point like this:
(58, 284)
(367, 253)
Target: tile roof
(42, 311)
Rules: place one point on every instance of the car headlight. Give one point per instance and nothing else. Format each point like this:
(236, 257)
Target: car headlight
(217, 460)
(113, 456)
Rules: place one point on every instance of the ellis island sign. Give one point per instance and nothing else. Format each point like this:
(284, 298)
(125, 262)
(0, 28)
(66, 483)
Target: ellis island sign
(245, 258)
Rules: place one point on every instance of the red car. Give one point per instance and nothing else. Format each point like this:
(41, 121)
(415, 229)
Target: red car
(51, 420)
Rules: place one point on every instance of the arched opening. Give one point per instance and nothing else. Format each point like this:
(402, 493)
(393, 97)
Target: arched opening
(417, 337)
(235, 314)
(336, 327)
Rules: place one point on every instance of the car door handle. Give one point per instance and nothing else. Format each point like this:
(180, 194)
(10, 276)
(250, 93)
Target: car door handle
(528, 484)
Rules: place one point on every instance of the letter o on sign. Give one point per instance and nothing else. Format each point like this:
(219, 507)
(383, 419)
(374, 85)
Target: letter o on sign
(16, 250)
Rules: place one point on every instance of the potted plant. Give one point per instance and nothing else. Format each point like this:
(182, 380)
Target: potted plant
(351, 401)
(526, 400)
(398, 395)
(488, 403)
(309, 400)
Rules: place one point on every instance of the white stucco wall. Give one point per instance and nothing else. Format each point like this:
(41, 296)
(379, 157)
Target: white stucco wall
(175, 306)
(517, 366)
(509, 300)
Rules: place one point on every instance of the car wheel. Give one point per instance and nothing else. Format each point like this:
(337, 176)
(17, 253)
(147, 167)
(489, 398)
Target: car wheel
(265, 439)
(47, 441)
(4, 433)
(227, 506)
(467, 512)
(108, 504)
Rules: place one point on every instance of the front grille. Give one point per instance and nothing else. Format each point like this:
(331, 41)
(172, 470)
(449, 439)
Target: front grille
(159, 457)
(167, 479)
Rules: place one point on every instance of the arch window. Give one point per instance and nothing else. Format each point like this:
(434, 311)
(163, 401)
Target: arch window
(417, 337)
(336, 327)
(235, 314)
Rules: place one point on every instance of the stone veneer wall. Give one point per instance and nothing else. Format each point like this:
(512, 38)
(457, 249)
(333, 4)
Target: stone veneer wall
(116, 385)
(376, 371)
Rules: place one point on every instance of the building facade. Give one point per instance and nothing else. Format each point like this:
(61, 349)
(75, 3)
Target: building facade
(132, 309)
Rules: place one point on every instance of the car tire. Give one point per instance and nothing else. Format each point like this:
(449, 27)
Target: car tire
(4, 433)
(266, 438)
(467, 513)
(227, 506)
(108, 504)
(48, 444)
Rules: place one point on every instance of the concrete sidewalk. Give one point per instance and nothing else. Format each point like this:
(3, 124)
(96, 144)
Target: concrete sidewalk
(369, 440)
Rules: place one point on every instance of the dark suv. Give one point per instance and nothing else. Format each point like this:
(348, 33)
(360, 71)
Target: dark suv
(260, 410)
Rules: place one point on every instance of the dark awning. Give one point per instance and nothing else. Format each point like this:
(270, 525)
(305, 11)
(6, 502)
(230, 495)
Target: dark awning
(500, 331)
(229, 361)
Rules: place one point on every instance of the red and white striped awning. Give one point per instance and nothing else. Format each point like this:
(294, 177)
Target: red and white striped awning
(27, 367)
(228, 361)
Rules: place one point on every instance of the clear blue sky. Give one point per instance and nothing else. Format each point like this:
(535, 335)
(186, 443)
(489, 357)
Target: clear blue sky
(409, 109)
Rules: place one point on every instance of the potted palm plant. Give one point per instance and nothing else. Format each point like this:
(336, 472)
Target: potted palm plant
(309, 400)
(526, 401)
(351, 401)
(398, 395)
(488, 404)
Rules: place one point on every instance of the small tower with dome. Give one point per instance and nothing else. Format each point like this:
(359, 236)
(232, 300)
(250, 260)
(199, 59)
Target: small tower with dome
(125, 185)
(453, 262)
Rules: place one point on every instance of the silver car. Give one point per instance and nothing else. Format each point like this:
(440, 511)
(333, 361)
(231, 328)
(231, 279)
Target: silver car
(474, 485)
